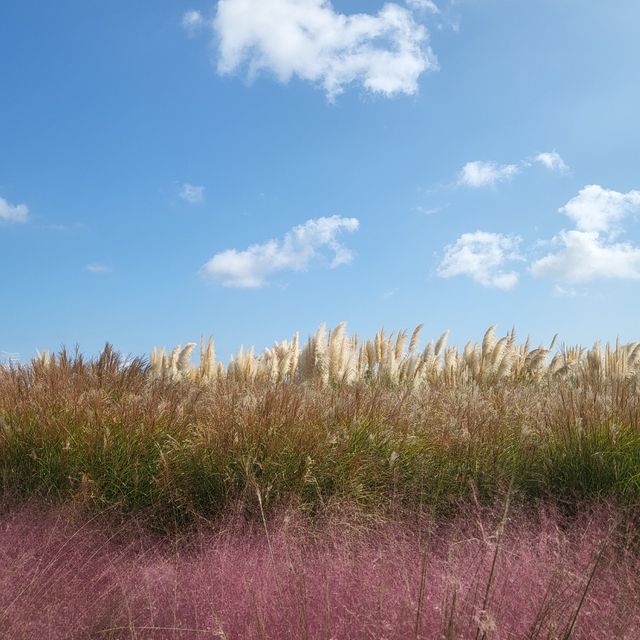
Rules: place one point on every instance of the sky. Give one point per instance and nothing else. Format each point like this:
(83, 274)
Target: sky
(250, 168)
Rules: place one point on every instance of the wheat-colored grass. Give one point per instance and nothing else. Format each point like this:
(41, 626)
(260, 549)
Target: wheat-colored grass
(332, 357)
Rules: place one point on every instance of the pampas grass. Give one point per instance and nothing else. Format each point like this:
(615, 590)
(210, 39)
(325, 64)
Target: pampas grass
(334, 358)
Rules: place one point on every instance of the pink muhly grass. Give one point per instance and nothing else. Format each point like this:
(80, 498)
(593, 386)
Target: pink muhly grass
(64, 577)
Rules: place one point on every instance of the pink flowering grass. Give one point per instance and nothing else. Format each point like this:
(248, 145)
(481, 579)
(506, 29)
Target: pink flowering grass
(67, 576)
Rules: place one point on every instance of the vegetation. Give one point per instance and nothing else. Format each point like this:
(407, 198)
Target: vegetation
(333, 490)
(375, 426)
(481, 575)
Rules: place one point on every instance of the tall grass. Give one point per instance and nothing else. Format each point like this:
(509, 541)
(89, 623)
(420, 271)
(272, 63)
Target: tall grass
(406, 431)
(530, 576)
(335, 358)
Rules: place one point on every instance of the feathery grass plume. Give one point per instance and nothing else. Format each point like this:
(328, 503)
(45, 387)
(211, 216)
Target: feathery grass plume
(488, 342)
(295, 354)
(335, 352)
(497, 353)
(207, 359)
(503, 370)
(400, 340)
(415, 338)
(156, 362)
(320, 355)
(184, 359)
(173, 361)
(379, 342)
(44, 359)
(335, 358)
(442, 341)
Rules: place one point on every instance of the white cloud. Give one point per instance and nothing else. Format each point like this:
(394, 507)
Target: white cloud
(585, 256)
(567, 292)
(423, 5)
(481, 173)
(13, 212)
(295, 252)
(552, 161)
(192, 21)
(98, 267)
(589, 252)
(385, 52)
(485, 174)
(482, 256)
(598, 209)
(192, 194)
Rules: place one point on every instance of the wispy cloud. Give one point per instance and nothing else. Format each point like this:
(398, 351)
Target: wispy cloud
(423, 5)
(387, 295)
(191, 193)
(98, 267)
(589, 251)
(567, 292)
(295, 252)
(485, 174)
(429, 211)
(384, 52)
(192, 22)
(552, 160)
(482, 256)
(13, 212)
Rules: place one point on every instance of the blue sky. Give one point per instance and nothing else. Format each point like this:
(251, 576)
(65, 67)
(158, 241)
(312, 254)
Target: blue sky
(249, 168)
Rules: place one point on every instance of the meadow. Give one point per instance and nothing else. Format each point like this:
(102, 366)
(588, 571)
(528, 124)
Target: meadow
(335, 488)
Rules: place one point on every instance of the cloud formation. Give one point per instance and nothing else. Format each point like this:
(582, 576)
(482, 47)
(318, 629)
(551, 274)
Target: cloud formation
(13, 212)
(585, 256)
(386, 52)
(589, 251)
(482, 256)
(552, 160)
(191, 193)
(485, 174)
(192, 21)
(601, 210)
(295, 252)
(424, 5)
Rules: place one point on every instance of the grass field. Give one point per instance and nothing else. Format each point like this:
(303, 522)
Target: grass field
(434, 467)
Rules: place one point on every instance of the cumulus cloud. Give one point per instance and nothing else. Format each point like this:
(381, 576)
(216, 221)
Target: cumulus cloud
(478, 174)
(589, 251)
(585, 256)
(553, 161)
(598, 209)
(192, 21)
(482, 256)
(191, 193)
(384, 52)
(295, 252)
(13, 212)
